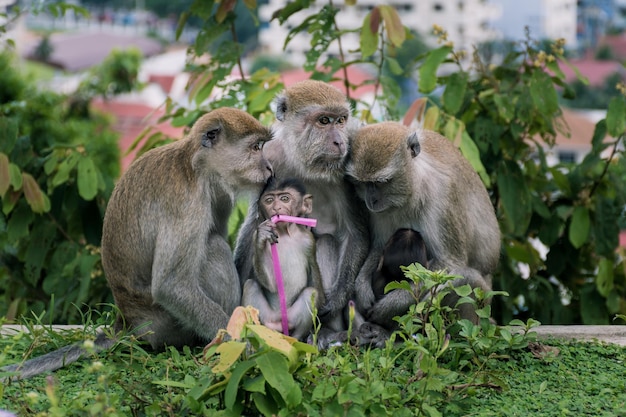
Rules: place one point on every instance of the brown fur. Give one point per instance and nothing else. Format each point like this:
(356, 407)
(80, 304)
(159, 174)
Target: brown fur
(164, 243)
(420, 180)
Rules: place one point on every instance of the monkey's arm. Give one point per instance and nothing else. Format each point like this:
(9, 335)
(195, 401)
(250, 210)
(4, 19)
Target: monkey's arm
(244, 246)
(315, 279)
(353, 250)
(363, 288)
(394, 303)
(264, 236)
(254, 295)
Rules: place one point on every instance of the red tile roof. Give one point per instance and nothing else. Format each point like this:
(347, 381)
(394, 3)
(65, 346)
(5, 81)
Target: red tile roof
(79, 51)
(130, 120)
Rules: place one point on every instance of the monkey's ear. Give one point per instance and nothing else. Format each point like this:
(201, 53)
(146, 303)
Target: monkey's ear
(210, 137)
(281, 107)
(413, 144)
(307, 204)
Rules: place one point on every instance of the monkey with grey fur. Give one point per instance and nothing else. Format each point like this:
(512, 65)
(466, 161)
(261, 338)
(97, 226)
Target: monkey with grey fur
(419, 180)
(311, 142)
(165, 251)
(295, 245)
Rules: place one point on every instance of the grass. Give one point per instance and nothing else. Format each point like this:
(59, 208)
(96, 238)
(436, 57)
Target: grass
(557, 378)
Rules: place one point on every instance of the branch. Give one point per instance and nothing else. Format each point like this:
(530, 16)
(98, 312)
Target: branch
(606, 166)
(234, 34)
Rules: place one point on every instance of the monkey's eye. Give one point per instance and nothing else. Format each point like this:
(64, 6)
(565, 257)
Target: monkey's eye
(285, 198)
(268, 200)
(258, 145)
(324, 120)
(341, 120)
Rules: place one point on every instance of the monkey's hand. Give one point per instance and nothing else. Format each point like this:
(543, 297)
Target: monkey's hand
(394, 303)
(365, 298)
(266, 233)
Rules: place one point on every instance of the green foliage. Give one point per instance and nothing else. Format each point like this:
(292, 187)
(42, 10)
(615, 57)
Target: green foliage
(57, 170)
(434, 365)
(511, 113)
(593, 97)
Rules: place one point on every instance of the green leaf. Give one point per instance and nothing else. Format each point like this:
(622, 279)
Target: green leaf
(394, 66)
(369, 36)
(515, 197)
(8, 134)
(224, 8)
(604, 277)
(16, 176)
(64, 169)
(87, 178)
(455, 92)
(393, 25)
(41, 238)
(38, 201)
(275, 369)
(428, 70)
(5, 175)
(470, 151)
(579, 227)
(230, 394)
(543, 93)
(463, 291)
(19, 223)
(605, 216)
(592, 306)
(616, 117)
(265, 404)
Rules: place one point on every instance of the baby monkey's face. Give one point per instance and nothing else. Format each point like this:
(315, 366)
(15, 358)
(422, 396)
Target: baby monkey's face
(286, 201)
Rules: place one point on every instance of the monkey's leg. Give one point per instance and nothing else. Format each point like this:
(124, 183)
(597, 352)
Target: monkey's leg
(254, 295)
(300, 314)
(197, 285)
(244, 247)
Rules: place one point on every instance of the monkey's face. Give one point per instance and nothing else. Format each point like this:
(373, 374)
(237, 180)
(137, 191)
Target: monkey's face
(229, 142)
(286, 201)
(313, 120)
(378, 166)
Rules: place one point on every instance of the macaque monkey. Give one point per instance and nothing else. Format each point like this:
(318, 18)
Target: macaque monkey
(296, 251)
(164, 243)
(311, 143)
(420, 180)
(404, 247)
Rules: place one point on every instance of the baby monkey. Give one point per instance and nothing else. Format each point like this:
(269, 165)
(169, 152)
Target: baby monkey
(405, 247)
(296, 252)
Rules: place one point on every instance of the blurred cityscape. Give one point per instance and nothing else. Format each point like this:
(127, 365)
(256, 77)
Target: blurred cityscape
(593, 30)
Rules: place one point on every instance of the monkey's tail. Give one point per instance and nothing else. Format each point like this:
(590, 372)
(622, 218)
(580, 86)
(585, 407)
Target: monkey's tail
(56, 359)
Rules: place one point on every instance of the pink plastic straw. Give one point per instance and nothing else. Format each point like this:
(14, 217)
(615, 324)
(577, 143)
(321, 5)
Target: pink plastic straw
(278, 273)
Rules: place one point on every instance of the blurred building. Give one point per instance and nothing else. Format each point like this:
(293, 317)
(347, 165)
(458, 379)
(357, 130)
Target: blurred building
(468, 22)
(545, 19)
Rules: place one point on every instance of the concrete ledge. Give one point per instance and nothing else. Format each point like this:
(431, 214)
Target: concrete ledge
(610, 334)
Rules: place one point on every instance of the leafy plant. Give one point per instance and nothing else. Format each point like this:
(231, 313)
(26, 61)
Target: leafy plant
(57, 169)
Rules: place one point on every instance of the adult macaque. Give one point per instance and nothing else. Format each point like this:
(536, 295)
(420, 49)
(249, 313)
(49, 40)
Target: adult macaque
(404, 247)
(296, 252)
(311, 143)
(164, 242)
(419, 180)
